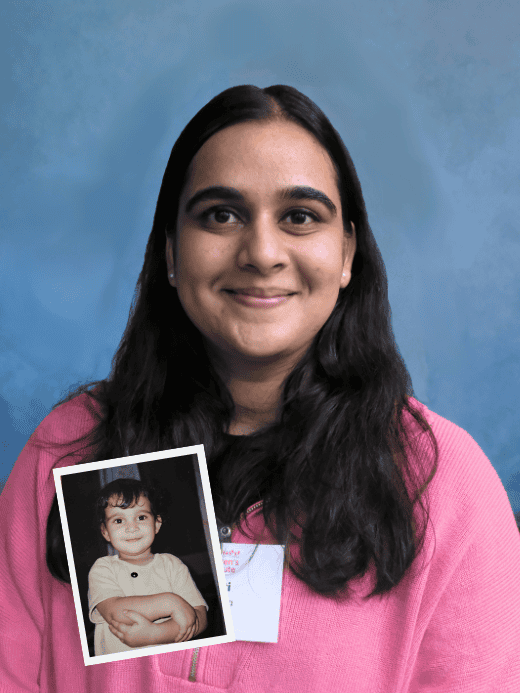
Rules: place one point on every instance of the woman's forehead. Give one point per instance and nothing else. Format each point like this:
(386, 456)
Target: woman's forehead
(262, 155)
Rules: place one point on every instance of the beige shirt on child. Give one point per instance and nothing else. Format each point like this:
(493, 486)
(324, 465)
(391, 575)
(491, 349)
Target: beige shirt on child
(111, 577)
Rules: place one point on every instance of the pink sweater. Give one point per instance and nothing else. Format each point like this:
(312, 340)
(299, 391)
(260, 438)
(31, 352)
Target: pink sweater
(452, 624)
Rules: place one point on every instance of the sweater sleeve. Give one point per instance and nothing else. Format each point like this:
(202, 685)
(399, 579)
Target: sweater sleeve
(24, 506)
(471, 616)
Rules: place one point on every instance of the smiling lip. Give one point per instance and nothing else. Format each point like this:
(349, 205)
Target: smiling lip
(260, 298)
(275, 292)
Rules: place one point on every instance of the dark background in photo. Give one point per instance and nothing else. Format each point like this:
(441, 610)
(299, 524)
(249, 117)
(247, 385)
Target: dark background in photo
(182, 532)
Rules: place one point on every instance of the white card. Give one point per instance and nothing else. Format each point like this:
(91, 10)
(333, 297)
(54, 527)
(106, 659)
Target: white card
(254, 587)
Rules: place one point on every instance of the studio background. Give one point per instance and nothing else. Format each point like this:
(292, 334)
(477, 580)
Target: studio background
(426, 96)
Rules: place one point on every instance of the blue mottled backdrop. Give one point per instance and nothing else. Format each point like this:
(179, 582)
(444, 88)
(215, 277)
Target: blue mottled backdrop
(426, 95)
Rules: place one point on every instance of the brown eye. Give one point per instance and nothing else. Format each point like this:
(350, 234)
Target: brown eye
(219, 215)
(301, 217)
(222, 216)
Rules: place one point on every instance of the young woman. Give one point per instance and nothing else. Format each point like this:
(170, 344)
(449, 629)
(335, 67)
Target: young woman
(261, 328)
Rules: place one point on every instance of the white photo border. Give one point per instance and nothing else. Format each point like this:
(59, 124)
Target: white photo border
(197, 450)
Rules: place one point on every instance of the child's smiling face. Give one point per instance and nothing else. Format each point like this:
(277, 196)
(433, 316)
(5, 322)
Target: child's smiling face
(132, 530)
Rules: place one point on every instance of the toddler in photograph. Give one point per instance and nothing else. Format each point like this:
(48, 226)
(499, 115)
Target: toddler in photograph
(137, 598)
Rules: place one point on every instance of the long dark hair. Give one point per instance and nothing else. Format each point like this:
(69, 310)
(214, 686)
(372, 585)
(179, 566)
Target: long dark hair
(342, 461)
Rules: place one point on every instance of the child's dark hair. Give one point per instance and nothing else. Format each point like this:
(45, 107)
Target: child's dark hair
(128, 492)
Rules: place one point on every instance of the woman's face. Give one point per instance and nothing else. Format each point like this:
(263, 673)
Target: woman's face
(261, 252)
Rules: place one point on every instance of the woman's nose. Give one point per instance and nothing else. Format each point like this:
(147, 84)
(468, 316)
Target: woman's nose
(263, 246)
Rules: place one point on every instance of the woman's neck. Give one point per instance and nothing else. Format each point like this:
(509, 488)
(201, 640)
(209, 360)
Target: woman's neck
(255, 385)
(256, 403)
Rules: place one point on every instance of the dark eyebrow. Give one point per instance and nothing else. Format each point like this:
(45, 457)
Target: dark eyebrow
(215, 192)
(297, 192)
(303, 192)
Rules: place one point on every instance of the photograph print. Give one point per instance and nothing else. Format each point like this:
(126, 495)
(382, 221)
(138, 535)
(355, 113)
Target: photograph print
(141, 542)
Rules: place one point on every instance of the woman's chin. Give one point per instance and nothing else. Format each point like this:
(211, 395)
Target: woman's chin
(258, 354)
(262, 346)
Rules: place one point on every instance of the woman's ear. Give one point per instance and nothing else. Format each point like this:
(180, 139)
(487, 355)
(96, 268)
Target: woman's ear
(349, 250)
(170, 262)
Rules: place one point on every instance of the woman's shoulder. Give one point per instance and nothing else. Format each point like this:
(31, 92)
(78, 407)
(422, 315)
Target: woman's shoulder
(53, 443)
(451, 438)
(465, 479)
(68, 421)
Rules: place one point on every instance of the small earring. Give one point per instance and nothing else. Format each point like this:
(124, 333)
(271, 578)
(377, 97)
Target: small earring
(171, 275)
